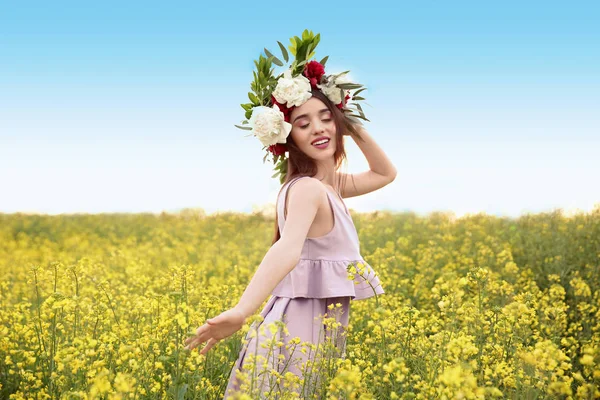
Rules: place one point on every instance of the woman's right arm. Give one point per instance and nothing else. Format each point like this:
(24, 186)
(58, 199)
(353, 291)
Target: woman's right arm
(304, 199)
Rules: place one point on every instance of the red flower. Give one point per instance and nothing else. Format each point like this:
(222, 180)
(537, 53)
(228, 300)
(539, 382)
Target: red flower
(278, 149)
(287, 112)
(341, 105)
(314, 72)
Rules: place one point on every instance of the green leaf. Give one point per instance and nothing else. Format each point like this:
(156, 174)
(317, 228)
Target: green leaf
(309, 49)
(253, 98)
(284, 52)
(301, 52)
(358, 98)
(358, 91)
(268, 53)
(324, 60)
(361, 116)
(348, 86)
(340, 74)
(246, 128)
(272, 58)
(292, 46)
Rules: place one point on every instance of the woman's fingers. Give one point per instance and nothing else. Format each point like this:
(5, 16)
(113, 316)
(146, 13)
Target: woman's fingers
(202, 334)
(200, 338)
(193, 344)
(209, 345)
(216, 329)
(203, 328)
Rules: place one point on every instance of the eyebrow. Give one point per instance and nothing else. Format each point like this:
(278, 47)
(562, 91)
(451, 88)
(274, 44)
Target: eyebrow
(306, 115)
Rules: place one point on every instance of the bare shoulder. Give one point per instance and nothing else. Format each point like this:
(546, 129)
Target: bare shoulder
(307, 189)
(304, 199)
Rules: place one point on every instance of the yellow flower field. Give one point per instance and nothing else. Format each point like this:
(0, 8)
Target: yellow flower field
(99, 306)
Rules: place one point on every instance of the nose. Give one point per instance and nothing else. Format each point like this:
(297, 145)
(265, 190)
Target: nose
(319, 127)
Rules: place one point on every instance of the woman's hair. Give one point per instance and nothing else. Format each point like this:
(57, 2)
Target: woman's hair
(300, 164)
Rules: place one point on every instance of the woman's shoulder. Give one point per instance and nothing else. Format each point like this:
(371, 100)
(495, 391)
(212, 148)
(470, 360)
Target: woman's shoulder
(303, 188)
(307, 185)
(304, 196)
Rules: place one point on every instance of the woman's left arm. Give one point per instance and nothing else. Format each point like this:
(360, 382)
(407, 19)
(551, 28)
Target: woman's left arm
(381, 170)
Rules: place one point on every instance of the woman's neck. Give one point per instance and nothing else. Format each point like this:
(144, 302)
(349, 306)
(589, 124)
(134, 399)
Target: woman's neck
(326, 173)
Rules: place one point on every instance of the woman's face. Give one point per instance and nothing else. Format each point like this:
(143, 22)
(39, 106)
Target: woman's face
(310, 122)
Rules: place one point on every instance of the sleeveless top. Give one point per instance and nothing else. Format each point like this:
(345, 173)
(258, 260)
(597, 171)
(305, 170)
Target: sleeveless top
(322, 269)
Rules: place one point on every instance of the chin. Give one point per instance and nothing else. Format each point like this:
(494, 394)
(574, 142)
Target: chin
(324, 156)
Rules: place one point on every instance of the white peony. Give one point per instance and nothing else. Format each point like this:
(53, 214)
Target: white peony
(268, 125)
(332, 91)
(293, 91)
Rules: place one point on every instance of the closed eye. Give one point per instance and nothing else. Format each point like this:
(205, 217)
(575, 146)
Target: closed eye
(304, 126)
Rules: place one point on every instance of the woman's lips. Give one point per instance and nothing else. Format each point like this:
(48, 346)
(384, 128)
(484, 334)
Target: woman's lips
(322, 146)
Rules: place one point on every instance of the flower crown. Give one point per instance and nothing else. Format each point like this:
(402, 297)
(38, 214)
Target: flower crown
(273, 98)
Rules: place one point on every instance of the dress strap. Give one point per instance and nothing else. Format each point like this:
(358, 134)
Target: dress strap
(345, 208)
(341, 217)
(289, 185)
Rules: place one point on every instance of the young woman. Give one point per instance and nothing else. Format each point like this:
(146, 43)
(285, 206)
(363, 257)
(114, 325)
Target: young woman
(305, 270)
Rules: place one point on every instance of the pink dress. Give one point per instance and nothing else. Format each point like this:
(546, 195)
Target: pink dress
(318, 280)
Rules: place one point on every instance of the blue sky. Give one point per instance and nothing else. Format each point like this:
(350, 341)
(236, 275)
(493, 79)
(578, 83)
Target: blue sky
(130, 107)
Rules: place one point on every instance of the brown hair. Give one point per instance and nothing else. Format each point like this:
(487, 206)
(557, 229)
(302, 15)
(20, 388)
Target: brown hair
(300, 164)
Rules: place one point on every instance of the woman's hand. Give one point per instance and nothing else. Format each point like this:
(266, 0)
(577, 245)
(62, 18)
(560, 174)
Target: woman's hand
(215, 329)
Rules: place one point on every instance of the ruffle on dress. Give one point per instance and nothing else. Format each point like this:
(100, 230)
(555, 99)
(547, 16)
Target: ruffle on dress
(328, 278)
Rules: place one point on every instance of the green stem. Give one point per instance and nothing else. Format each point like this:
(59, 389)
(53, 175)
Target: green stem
(37, 293)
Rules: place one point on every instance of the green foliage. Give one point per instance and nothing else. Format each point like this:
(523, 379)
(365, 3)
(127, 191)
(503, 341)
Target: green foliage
(281, 168)
(265, 81)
